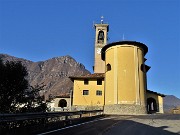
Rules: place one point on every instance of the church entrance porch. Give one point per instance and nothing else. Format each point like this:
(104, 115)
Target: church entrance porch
(151, 105)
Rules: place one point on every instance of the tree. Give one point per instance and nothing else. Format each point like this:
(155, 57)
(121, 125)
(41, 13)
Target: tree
(33, 101)
(16, 95)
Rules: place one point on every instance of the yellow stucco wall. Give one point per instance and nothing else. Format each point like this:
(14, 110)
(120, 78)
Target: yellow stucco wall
(125, 82)
(88, 100)
(110, 79)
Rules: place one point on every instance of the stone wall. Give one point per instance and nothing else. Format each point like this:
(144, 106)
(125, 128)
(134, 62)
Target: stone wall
(82, 107)
(125, 109)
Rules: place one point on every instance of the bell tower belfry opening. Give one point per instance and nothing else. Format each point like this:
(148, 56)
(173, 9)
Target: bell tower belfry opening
(101, 38)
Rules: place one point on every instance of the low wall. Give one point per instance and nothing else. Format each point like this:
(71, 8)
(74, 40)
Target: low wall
(33, 123)
(125, 109)
(82, 107)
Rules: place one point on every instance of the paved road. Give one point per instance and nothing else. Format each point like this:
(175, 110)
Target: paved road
(126, 125)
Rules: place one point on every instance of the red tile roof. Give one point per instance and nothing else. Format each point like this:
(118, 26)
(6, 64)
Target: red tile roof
(89, 76)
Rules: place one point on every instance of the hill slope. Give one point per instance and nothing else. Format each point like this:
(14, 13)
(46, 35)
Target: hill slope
(54, 73)
(170, 102)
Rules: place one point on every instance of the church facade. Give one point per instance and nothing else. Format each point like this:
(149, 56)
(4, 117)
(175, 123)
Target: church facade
(119, 82)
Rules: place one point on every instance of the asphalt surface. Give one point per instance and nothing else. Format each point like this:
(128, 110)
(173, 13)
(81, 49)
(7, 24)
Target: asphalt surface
(125, 125)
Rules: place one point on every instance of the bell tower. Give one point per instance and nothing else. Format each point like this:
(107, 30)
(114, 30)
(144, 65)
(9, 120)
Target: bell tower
(101, 38)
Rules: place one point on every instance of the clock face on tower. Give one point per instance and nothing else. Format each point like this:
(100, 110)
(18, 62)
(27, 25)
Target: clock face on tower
(98, 50)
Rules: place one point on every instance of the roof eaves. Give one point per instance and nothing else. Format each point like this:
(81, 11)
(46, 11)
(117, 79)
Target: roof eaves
(162, 95)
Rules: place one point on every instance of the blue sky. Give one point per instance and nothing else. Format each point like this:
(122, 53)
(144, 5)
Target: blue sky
(41, 29)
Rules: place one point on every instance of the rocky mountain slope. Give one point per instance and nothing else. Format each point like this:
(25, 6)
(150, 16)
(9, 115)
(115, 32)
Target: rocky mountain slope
(53, 73)
(170, 102)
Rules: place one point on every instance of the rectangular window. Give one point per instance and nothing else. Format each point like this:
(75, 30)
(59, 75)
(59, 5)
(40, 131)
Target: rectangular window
(98, 92)
(86, 81)
(85, 92)
(99, 81)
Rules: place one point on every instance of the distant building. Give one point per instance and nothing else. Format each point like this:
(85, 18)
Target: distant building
(119, 83)
(175, 110)
(60, 103)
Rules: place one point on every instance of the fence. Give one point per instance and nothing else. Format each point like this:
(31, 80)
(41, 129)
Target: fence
(31, 123)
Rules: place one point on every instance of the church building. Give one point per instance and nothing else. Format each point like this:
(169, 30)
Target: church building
(119, 82)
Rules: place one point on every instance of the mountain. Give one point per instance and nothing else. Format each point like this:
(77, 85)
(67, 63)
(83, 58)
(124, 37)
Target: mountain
(53, 73)
(170, 102)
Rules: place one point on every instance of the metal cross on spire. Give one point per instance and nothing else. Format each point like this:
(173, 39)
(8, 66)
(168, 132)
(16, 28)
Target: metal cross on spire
(102, 17)
(123, 37)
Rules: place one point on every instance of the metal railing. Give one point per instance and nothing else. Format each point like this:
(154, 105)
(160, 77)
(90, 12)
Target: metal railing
(31, 123)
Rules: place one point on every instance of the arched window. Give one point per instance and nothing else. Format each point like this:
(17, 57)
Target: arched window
(108, 67)
(62, 103)
(101, 37)
(151, 105)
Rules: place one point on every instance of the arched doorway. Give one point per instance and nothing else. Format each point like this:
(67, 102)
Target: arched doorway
(62, 103)
(151, 105)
